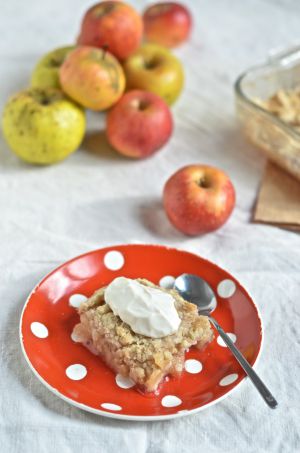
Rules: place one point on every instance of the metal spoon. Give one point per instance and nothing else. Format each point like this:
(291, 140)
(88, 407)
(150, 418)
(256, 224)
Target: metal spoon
(197, 291)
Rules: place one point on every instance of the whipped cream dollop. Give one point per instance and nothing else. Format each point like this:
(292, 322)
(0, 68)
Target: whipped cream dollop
(148, 311)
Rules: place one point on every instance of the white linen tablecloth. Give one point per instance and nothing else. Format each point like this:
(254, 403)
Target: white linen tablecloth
(96, 198)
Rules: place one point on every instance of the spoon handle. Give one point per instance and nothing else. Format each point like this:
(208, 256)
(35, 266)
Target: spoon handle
(265, 393)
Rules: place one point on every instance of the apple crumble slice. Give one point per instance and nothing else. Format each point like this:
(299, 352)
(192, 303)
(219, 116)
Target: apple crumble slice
(145, 360)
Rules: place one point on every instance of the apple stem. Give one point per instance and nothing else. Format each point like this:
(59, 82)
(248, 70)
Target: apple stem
(204, 183)
(105, 49)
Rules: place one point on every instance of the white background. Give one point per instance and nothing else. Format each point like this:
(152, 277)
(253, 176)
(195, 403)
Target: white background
(96, 198)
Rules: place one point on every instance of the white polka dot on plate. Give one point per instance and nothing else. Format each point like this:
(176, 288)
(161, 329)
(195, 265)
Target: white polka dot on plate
(76, 372)
(221, 342)
(193, 366)
(114, 260)
(167, 281)
(124, 382)
(77, 299)
(171, 401)
(226, 288)
(39, 330)
(111, 407)
(76, 338)
(229, 379)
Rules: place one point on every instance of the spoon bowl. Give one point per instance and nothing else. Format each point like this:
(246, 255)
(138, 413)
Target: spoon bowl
(197, 291)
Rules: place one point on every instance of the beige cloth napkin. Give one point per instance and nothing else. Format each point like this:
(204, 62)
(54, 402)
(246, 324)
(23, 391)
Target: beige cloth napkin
(278, 201)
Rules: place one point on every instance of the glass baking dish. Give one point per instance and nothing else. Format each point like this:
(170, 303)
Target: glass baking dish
(279, 141)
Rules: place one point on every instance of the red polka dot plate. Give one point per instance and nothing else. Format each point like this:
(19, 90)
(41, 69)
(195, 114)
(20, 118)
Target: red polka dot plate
(73, 373)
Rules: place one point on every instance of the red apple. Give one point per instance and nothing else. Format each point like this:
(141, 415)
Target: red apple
(168, 24)
(114, 25)
(198, 199)
(139, 124)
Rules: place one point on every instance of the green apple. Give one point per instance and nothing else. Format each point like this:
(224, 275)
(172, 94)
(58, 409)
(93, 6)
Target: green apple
(154, 68)
(45, 73)
(42, 126)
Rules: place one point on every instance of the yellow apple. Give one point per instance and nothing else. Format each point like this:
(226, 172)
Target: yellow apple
(42, 126)
(46, 71)
(154, 68)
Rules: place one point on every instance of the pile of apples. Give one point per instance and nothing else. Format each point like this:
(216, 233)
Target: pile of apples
(121, 64)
